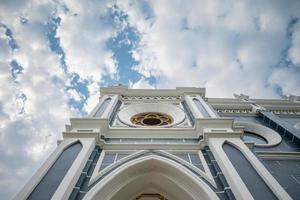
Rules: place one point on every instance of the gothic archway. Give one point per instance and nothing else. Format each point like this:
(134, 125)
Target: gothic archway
(151, 174)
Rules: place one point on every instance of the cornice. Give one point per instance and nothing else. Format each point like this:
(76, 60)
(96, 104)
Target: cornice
(125, 91)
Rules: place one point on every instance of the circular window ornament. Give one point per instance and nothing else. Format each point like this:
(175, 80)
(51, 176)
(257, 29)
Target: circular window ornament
(152, 119)
(151, 115)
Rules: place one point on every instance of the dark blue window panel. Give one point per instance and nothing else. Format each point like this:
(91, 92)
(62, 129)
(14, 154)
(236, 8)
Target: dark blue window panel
(103, 166)
(289, 136)
(291, 121)
(50, 182)
(201, 108)
(80, 180)
(82, 183)
(196, 161)
(183, 156)
(284, 122)
(87, 166)
(273, 124)
(103, 107)
(95, 160)
(199, 166)
(287, 173)
(74, 194)
(218, 176)
(254, 183)
(195, 158)
(216, 166)
(122, 155)
(280, 130)
(222, 180)
(109, 158)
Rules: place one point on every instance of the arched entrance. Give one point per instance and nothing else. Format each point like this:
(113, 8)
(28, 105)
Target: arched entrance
(151, 175)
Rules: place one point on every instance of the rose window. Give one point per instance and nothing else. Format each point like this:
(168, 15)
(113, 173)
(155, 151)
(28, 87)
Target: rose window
(151, 119)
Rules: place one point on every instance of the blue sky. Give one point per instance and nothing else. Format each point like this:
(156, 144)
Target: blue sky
(54, 56)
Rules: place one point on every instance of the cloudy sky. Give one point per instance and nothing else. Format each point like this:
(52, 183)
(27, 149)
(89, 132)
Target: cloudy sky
(54, 55)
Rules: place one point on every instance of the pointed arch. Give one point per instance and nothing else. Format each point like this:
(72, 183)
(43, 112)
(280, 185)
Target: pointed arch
(103, 107)
(206, 175)
(153, 173)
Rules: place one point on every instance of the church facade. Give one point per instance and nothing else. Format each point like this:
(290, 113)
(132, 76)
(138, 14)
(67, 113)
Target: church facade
(175, 144)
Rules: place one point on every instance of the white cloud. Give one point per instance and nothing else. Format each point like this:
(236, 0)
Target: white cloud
(73, 94)
(4, 50)
(141, 84)
(94, 97)
(294, 51)
(26, 137)
(228, 47)
(83, 33)
(288, 79)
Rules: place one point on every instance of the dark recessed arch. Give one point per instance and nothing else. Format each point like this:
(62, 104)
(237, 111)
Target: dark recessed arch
(103, 107)
(201, 108)
(248, 174)
(46, 188)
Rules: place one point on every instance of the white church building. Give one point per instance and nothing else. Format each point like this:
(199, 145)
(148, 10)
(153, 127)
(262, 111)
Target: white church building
(175, 144)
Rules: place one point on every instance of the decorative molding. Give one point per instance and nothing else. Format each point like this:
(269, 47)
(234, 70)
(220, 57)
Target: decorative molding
(234, 111)
(124, 90)
(243, 105)
(150, 98)
(271, 155)
(285, 112)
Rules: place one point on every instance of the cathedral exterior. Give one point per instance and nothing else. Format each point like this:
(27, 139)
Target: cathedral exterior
(140, 144)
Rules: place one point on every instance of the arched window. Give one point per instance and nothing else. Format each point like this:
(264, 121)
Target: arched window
(200, 107)
(248, 174)
(103, 107)
(50, 182)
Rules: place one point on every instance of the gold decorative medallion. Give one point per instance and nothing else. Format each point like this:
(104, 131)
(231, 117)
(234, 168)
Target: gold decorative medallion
(152, 119)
